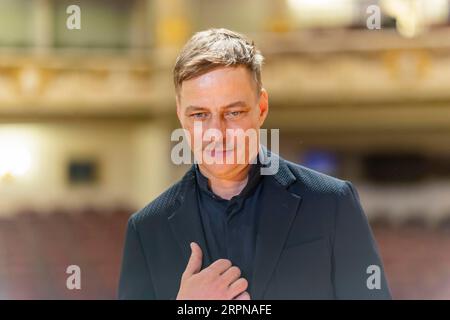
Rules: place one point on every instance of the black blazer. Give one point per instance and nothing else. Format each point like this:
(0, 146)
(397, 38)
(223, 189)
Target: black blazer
(313, 241)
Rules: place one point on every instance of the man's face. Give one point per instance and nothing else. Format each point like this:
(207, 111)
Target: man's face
(224, 98)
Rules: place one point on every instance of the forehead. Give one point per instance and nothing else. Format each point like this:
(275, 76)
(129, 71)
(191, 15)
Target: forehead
(218, 87)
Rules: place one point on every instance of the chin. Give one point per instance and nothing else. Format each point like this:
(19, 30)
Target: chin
(222, 170)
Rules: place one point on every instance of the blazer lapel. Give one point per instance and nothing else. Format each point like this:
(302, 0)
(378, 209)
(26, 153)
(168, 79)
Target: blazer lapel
(279, 209)
(186, 222)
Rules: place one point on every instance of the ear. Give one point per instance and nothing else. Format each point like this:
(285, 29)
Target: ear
(263, 106)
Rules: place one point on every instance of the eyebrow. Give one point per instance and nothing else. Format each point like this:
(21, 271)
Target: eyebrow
(230, 105)
(194, 108)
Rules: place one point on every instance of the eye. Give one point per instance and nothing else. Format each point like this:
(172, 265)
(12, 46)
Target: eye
(234, 114)
(199, 115)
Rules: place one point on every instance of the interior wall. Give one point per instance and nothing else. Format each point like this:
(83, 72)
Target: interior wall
(131, 170)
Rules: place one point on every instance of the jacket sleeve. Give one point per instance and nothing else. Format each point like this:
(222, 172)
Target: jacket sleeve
(358, 271)
(135, 279)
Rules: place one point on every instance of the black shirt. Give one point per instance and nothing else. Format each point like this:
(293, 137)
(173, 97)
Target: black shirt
(230, 226)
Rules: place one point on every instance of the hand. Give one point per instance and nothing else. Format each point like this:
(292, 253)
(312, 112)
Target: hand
(219, 281)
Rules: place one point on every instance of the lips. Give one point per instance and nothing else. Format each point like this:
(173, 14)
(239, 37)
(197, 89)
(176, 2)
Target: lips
(219, 152)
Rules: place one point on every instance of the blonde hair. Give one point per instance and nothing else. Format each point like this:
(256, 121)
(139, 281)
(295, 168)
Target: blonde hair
(213, 48)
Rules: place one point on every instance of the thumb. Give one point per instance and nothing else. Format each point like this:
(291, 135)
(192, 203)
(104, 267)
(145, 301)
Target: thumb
(243, 296)
(195, 261)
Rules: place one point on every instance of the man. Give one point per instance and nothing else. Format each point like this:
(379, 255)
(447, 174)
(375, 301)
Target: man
(227, 231)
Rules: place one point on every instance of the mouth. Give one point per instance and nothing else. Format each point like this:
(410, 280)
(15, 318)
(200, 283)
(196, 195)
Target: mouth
(220, 153)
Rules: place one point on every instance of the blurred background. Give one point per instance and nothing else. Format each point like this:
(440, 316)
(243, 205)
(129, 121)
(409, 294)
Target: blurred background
(86, 117)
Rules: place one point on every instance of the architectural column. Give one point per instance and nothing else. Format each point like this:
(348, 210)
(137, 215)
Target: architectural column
(43, 25)
(171, 27)
(152, 167)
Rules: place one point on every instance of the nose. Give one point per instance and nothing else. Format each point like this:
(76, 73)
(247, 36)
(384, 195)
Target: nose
(216, 123)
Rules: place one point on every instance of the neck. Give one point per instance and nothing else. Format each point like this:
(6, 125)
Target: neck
(227, 187)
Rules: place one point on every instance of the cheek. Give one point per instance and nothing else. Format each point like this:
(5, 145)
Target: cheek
(189, 133)
(195, 138)
(248, 122)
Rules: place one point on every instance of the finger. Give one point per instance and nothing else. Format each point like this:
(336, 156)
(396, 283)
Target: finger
(243, 296)
(219, 266)
(231, 275)
(195, 261)
(238, 287)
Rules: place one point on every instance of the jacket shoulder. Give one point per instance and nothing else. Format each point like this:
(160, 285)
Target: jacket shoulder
(163, 205)
(316, 182)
